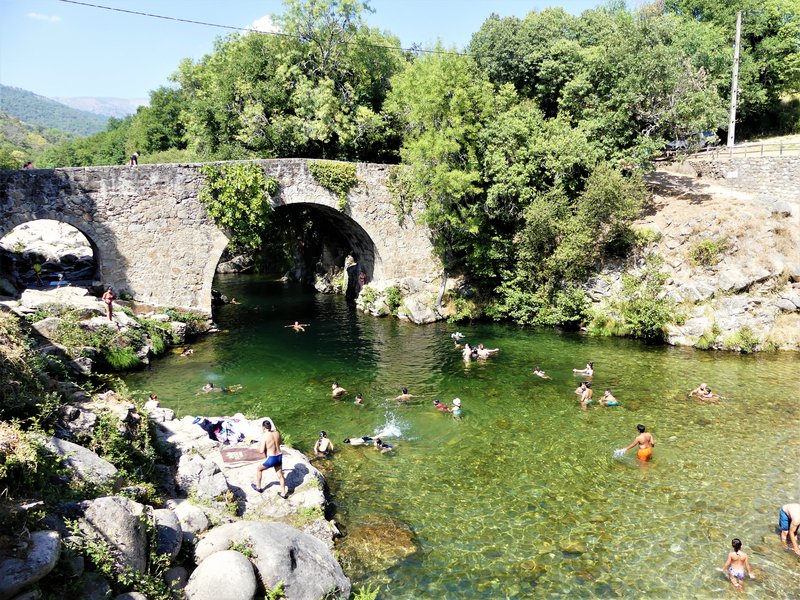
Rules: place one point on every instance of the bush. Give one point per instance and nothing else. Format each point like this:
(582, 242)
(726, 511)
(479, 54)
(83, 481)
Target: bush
(708, 252)
(744, 340)
(709, 338)
(393, 299)
(338, 178)
(368, 296)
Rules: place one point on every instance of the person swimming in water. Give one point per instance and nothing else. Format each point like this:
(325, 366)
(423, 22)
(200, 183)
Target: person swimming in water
(608, 399)
(323, 446)
(646, 444)
(703, 392)
(379, 445)
(358, 441)
(736, 564)
(539, 373)
(209, 387)
(404, 395)
(437, 404)
(456, 408)
(359, 398)
(187, 352)
(588, 370)
(485, 353)
(468, 353)
(586, 396)
(579, 390)
(337, 390)
(298, 327)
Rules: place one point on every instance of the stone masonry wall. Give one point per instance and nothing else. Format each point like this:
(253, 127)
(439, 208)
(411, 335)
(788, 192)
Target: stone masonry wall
(771, 179)
(152, 237)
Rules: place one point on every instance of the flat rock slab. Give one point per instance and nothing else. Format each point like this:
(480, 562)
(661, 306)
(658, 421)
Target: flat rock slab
(43, 553)
(84, 462)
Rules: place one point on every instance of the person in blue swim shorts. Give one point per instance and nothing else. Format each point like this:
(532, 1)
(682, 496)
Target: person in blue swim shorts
(788, 522)
(271, 447)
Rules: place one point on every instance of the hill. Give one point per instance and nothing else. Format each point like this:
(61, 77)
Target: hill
(38, 110)
(109, 107)
(20, 142)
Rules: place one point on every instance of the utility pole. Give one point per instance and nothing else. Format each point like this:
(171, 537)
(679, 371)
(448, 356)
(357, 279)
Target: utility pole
(735, 81)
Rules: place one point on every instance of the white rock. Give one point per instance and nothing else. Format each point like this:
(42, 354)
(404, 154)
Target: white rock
(226, 575)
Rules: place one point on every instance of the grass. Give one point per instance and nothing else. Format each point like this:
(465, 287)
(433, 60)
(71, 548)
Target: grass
(708, 252)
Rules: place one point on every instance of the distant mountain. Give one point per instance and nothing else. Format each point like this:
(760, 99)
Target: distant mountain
(109, 107)
(37, 110)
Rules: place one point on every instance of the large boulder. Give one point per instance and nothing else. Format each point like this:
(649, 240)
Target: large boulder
(170, 534)
(47, 327)
(176, 578)
(226, 575)
(83, 462)
(281, 554)
(200, 476)
(192, 519)
(237, 264)
(118, 522)
(42, 555)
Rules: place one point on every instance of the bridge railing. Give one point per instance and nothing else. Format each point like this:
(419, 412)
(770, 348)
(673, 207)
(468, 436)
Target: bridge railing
(749, 150)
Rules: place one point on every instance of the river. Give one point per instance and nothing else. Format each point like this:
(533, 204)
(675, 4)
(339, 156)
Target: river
(521, 496)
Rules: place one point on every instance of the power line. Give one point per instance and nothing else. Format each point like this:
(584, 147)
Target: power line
(247, 29)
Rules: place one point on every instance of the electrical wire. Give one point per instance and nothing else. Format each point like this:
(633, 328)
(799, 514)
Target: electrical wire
(247, 29)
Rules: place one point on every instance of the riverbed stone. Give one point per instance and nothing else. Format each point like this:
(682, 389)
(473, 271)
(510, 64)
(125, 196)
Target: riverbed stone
(83, 462)
(200, 476)
(192, 519)
(176, 578)
(304, 565)
(170, 534)
(377, 542)
(225, 575)
(117, 521)
(42, 554)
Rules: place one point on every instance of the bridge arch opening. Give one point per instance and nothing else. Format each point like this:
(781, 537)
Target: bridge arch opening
(46, 253)
(315, 245)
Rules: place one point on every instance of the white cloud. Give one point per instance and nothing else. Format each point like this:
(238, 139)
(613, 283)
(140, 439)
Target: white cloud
(265, 25)
(41, 17)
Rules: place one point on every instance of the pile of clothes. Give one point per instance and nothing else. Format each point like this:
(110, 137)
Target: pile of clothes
(228, 430)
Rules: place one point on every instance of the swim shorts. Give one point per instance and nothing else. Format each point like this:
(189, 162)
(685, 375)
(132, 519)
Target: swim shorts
(273, 461)
(784, 521)
(738, 573)
(644, 453)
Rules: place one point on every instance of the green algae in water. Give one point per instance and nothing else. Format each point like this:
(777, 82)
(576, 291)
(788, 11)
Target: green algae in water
(521, 497)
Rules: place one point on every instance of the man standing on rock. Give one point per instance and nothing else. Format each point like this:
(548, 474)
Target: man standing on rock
(271, 447)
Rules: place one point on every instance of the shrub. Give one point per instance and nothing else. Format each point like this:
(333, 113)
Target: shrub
(708, 252)
(368, 296)
(336, 177)
(393, 299)
(709, 338)
(744, 340)
(366, 593)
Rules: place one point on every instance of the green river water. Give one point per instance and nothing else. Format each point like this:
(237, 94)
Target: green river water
(521, 496)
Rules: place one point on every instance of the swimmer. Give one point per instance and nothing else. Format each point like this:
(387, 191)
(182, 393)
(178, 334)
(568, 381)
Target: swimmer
(456, 408)
(404, 395)
(485, 353)
(703, 392)
(152, 402)
(579, 390)
(336, 390)
(359, 398)
(457, 336)
(234, 301)
(209, 387)
(437, 404)
(788, 523)
(588, 370)
(586, 396)
(736, 564)
(468, 352)
(324, 446)
(379, 445)
(358, 441)
(298, 327)
(608, 399)
(539, 373)
(646, 444)
(187, 352)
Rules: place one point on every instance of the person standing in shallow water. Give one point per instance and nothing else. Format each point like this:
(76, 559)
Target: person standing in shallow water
(736, 564)
(646, 444)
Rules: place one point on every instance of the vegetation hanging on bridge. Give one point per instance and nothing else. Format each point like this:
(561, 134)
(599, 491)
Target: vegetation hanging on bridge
(338, 178)
(238, 197)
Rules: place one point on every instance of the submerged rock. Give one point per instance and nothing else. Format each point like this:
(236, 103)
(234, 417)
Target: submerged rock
(378, 544)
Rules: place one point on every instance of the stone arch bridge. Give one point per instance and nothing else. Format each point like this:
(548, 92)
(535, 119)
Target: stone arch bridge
(152, 237)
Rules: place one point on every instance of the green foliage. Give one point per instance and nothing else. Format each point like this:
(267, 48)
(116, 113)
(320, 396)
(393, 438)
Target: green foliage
(367, 592)
(238, 197)
(368, 296)
(338, 178)
(466, 308)
(276, 593)
(21, 391)
(244, 549)
(708, 251)
(393, 298)
(709, 338)
(49, 114)
(120, 358)
(744, 340)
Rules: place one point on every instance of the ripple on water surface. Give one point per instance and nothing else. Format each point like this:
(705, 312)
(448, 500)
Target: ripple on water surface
(521, 497)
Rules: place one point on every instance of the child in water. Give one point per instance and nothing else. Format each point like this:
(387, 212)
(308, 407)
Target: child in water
(736, 564)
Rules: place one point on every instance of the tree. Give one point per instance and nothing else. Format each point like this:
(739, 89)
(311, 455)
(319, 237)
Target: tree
(158, 127)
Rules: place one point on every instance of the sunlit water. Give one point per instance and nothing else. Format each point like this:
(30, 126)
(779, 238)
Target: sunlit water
(521, 497)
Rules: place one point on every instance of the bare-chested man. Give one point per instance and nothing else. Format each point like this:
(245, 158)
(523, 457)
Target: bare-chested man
(645, 441)
(271, 447)
(324, 446)
(404, 395)
(298, 327)
(337, 390)
(788, 522)
(586, 395)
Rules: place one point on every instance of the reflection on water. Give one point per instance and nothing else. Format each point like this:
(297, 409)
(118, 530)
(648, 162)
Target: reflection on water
(521, 497)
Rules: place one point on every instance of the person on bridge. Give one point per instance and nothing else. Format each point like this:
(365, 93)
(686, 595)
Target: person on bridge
(134, 159)
(108, 298)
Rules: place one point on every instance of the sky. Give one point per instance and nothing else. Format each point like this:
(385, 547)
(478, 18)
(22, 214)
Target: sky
(60, 49)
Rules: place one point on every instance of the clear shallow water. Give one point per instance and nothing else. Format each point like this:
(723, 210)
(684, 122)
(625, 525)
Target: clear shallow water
(521, 497)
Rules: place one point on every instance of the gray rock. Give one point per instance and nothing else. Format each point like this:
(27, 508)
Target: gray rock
(85, 463)
(32, 595)
(192, 518)
(6, 287)
(786, 305)
(117, 521)
(170, 534)
(80, 366)
(176, 578)
(47, 327)
(784, 209)
(16, 573)
(226, 575)
(236, 265)
(131, 596)
(178, 330)
(281, 553)
(733, 280)
(419, 309)
(202, 476)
